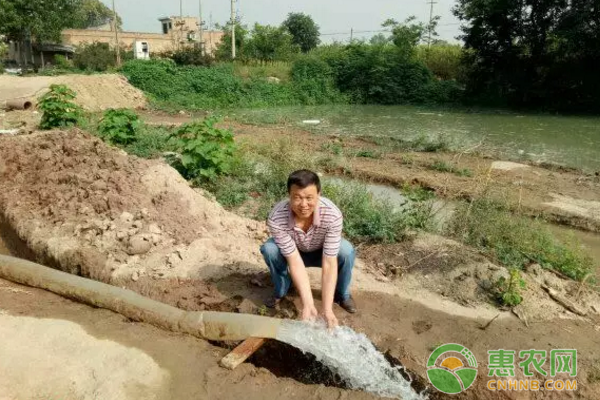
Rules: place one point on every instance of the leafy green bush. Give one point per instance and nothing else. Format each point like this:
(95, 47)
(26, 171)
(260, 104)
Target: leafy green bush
(313, 81)
(99, 57)
(508, 291)
(119, 126)
(368, 219)
(206, 151)
(62, 62)
(516, 241)
(58, 109)
(95, 57)
(191, 56)
(444, 60)
(201, 88)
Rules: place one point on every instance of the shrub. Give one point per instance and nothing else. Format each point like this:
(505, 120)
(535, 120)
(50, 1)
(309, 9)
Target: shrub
(62, 62)
(368, 219)
(508, 291)
(206, 151)
(444, 60)
(313, 81)
(192, 56)
(58, 109)
(95, 57)
(119, 126)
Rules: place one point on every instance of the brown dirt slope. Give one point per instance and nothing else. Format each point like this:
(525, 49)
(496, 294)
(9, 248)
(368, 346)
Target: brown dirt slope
(90, 209)
(94, 92)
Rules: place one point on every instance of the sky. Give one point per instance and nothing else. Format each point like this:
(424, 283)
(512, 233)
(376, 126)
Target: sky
(336, 18)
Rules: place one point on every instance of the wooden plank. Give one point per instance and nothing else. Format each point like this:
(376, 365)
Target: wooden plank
(242, 352)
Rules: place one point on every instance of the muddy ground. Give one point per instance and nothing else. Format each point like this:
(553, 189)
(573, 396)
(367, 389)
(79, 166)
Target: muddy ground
(70, 201)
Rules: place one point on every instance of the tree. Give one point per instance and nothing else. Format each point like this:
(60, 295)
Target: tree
(44, 20)
(93, 13)
(408, 34)
(223, 51)
(533, 53)
(41, 20)
(269, 43)
(304, 31)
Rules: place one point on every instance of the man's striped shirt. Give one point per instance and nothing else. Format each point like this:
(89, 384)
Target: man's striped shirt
(325, 232)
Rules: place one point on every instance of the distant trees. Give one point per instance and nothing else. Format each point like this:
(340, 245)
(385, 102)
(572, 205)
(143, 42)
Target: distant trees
(93, 13)
(533, 53)
(305, 32)
(264, 43)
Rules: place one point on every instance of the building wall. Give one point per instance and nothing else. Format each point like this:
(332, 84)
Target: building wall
(158, 42)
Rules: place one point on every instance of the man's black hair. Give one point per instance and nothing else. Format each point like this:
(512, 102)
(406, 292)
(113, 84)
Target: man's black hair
(303, 178)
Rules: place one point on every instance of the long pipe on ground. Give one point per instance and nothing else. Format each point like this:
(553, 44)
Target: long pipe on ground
(208, 325)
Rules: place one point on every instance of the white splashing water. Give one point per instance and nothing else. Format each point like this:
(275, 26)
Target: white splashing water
(352, 356)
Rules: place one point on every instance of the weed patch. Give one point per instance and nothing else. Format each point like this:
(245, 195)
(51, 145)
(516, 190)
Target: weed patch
(58, 109)
(514, 240)
(119, 126)
(442, 166)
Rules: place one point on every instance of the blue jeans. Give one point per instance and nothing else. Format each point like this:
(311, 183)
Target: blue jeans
(282, 279)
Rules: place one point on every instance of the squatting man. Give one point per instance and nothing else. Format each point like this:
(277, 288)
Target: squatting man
(306, 231)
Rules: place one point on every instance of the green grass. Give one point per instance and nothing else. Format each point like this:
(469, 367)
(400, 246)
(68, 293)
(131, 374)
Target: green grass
(442, 166)
(334, 148)
(262, 170)
(367, 154)
(421, 143)
(516, 241)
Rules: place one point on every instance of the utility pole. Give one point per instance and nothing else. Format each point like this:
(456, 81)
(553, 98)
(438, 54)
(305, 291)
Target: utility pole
(181, 9)
(351, 34)
(115, 27)
(201, 27)
(431, 3)
(233, 29)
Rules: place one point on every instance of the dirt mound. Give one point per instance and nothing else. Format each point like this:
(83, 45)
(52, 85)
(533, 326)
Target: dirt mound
(94, 92)
(90, 209)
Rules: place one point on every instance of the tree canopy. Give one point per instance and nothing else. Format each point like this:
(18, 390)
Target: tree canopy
(533, 53)
(305, 32)
(44, 20)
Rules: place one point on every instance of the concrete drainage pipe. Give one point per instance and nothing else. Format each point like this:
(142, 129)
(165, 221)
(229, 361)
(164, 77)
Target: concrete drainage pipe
(208, 325)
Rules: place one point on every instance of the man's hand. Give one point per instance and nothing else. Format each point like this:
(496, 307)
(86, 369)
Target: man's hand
(309, 313)
(331, 319)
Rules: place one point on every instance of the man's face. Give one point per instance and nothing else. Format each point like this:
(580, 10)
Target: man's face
(304, 201)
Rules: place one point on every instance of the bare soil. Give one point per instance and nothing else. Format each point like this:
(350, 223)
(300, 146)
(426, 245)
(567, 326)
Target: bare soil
(69, 201)
(94, 92)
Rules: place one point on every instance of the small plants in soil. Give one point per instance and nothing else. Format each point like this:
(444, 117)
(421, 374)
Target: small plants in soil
(508, 291)
(58, 108)
(206, 151)
(119, 126)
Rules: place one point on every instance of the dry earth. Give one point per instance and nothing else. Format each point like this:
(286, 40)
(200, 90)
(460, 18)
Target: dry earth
(70, 201)
(94, 92)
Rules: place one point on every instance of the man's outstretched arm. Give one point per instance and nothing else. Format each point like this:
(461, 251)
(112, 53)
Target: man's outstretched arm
(302, 284)
(331, 248)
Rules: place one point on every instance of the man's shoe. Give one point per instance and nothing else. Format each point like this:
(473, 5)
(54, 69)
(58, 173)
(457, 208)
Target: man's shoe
(272, 301)
(349, 305)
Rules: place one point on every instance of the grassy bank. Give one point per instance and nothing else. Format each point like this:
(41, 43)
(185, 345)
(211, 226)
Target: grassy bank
(226, 86)
(517, 241)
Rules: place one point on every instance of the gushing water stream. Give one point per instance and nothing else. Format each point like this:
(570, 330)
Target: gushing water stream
(352, 356)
